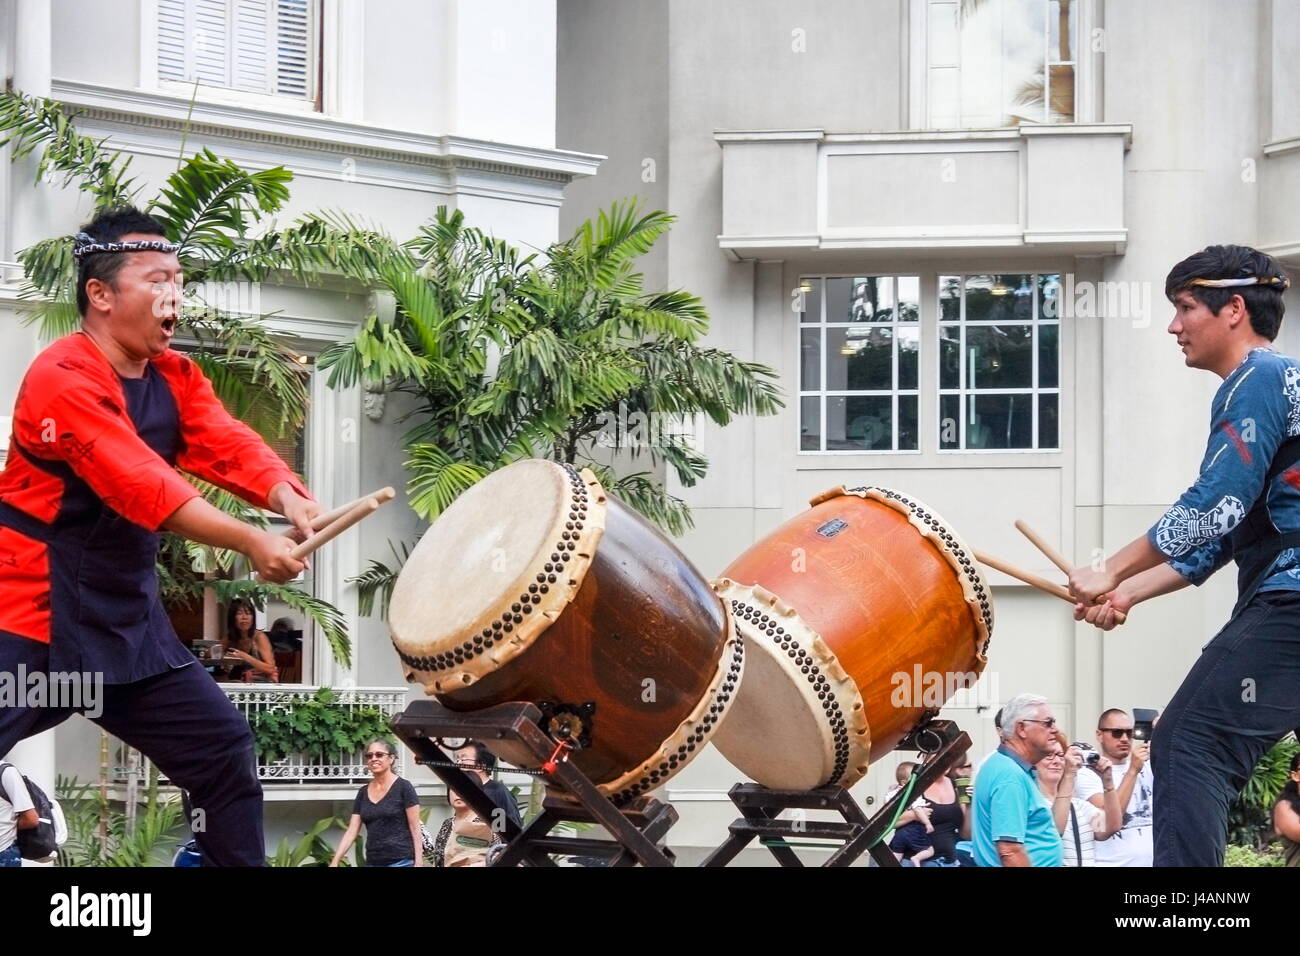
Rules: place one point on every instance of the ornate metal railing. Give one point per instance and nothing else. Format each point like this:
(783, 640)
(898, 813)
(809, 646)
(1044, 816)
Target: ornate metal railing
(249, 699)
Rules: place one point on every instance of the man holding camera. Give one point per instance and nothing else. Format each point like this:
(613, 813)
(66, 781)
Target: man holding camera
(1130, 776)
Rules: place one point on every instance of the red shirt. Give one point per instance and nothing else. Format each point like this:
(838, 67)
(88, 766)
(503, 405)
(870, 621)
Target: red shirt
(91, 475)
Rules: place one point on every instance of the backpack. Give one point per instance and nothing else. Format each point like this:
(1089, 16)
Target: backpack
(51, 830)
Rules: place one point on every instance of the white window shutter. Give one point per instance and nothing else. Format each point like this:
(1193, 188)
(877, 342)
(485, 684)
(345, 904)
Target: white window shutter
(172, 54)
(295, 67)
(252, 67)
(258, 46)
(209, 47)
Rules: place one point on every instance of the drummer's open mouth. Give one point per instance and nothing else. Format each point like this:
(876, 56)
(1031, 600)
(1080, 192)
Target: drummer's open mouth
(169, 326)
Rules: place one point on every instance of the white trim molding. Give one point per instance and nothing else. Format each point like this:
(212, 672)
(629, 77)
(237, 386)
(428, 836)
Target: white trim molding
(311, 144)
(1282, 146)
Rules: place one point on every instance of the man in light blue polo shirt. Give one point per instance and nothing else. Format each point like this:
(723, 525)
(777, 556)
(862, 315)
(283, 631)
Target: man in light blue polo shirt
(1013, 820)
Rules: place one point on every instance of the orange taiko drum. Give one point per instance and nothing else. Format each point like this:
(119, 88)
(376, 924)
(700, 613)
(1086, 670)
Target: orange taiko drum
(537, 586)
(838, 607)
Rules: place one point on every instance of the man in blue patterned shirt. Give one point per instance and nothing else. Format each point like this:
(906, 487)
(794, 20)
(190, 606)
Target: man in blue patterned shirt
(1243, 693)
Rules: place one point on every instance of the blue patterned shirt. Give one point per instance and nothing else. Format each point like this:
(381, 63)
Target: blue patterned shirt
(1255, 409)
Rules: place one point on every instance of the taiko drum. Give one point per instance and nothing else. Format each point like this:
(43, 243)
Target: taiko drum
(835, 605)
(537, 586)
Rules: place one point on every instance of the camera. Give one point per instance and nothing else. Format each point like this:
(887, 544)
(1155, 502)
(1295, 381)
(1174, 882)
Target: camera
(1143, 723)
(1090, 756)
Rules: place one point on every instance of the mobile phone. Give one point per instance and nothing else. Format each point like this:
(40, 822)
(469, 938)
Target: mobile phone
(1143, 723)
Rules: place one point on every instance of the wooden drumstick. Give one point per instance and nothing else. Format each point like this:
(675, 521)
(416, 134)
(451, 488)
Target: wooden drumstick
(1054, 556)
(1048, 551)
(362, 509)
(326, 517)
(1031, 579)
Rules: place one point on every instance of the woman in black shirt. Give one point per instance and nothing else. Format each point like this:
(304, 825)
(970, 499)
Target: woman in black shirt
(390, 811)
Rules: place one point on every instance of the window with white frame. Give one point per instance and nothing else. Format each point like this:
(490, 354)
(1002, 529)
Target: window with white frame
(258, 47)
(999, 361)
(859, 339)
(997, 63)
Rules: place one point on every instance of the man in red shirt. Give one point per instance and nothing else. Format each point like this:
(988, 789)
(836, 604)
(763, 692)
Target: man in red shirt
(103, 419)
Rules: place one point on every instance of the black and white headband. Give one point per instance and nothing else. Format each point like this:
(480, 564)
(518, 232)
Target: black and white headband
(85, 245)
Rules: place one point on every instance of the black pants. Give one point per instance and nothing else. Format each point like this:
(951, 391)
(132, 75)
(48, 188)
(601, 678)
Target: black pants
(1240, 698)
(183, 723)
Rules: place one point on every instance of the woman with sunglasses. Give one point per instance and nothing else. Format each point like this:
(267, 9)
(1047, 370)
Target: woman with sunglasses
(390, 811)
(1286, 815)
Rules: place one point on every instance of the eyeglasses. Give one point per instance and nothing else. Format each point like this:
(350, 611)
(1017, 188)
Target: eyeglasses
(376, 754)
(1049, 722)
(1117, 732)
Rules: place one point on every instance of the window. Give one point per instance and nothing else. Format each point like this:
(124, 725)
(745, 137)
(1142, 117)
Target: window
(859, 358)
(996, 63)
(262, 47)
(999, 361)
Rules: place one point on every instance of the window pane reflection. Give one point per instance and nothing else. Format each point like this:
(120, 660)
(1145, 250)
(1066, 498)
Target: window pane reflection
(810, 424)
(909, 349)
(859, 360)
(1000, 421)
(999, 356)
(810, 291)
(810, 360)
(999, 298)
(859, 422)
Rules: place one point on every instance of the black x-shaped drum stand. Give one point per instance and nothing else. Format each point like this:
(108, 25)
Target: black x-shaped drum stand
(637, 829)
(760, 807)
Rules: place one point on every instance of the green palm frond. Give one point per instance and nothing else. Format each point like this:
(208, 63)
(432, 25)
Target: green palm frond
(208, 203)
(28, 122)
(375, 584)
(149, 841)
(256, 375)
(376, 354)
(646, 495)
(437, 479)
(49, 277)
(683, 379)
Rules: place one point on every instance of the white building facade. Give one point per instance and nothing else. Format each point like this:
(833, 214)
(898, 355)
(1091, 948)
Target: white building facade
(948, 231)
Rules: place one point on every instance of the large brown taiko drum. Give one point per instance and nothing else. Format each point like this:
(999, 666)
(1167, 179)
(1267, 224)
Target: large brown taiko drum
(834, 606)
(537, 586)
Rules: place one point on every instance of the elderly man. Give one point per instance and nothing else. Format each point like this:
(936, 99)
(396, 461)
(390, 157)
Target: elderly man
(1013, 820)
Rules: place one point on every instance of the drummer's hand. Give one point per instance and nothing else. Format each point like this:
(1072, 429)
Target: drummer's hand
(269, 555)
(296, 508)
(1112, 612)
(1088, 585)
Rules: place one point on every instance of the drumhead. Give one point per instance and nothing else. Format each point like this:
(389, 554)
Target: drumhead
(798, 721)
(494, 570)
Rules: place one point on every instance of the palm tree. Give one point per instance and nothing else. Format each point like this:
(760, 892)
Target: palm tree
(209, 205)
(510, 356)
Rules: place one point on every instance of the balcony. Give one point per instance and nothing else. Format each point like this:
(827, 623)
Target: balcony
(1050, 189)
(291, 778)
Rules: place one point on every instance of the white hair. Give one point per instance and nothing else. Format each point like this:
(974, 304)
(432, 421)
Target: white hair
(1018, 708)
